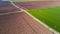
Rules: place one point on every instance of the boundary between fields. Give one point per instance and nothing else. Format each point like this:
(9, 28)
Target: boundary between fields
(52, 30)
(49, 28)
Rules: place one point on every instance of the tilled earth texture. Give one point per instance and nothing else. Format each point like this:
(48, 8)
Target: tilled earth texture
(38, 4)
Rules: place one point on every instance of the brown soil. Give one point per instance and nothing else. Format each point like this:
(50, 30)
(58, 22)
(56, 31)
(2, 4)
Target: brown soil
(7, 7)
(38, 4)
(21, 23)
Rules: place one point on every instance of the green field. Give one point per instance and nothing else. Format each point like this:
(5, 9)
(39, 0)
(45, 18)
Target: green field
(50, 16)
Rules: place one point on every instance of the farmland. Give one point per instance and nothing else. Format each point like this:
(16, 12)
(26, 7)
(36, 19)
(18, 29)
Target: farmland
(50, 16)
(18, 23)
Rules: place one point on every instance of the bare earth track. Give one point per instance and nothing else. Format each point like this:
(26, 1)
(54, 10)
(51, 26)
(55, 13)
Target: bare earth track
(22, 23)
